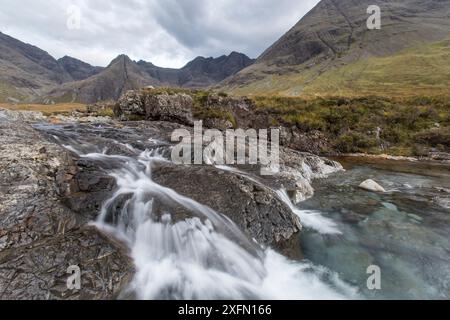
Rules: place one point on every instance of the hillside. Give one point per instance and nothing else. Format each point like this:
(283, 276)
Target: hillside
(331, 51)
(121, 75)
(26, 70)
(78, 69)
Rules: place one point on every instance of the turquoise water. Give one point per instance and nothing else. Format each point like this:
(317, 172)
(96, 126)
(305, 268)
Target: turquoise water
(406, 232)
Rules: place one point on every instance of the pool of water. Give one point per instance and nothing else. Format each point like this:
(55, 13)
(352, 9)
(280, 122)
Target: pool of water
(405, 231)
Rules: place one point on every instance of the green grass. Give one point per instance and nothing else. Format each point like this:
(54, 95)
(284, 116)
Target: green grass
(420, 70)
(407, 126)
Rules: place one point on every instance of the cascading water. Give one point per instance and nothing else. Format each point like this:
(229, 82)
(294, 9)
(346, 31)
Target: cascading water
(202, 256)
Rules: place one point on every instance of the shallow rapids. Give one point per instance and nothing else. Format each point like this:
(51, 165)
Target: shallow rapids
(200, 256)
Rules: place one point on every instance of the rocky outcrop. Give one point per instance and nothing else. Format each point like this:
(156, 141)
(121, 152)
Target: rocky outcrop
(40, 237)
(216, 111)
(165, 107)
(134, 105)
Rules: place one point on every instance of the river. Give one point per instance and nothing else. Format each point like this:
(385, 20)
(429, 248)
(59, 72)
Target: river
(405, 231)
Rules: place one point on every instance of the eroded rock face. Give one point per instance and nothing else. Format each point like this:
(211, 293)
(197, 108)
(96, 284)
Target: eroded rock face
(130, 106)
(140, 105)
(165, 107)
(40, 237)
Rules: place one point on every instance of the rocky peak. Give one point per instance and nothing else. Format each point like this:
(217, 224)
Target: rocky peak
(78, 69)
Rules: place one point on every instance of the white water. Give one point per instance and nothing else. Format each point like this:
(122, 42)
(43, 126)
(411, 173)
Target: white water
(310, 218)
(202, 257)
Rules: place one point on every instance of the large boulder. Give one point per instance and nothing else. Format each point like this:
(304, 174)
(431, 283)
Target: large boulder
(256, 209)
(169, 107)
(130, 106)
(144, 104)
(371, 185)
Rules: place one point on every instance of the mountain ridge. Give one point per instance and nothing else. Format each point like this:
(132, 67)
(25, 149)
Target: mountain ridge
(28, 73)
(334, 35)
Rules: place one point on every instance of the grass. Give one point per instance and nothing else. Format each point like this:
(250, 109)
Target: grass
(47, 110)
(402, 126)
(421, 70)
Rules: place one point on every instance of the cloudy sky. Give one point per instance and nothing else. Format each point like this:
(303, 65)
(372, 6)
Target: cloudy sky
(168, 33)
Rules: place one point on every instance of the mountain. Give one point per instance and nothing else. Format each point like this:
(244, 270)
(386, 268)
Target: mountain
(120, 75)
(332, 52)
(78, 69)
(199, 73)
(26, 70)
(28, 73)
(124, 74)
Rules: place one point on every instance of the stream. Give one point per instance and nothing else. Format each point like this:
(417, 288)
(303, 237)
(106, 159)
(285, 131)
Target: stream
(406, 231)
(206, 256)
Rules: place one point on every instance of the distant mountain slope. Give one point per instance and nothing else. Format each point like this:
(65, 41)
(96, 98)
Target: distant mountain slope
(121, 75)
(199, 73)
(29, 73)
(78, 69)
(124, 74)
(332, 51)
(26, 70)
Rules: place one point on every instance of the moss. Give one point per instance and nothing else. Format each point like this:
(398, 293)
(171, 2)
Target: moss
(108, 112)
(215, 113)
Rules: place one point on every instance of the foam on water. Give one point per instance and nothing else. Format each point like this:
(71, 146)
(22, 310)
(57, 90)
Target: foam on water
(310, 218)
(203, 257)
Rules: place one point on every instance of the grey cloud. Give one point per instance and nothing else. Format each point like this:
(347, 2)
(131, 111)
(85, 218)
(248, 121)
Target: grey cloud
(166, 32)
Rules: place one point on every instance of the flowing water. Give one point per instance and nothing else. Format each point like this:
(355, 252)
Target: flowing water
(406, 232)
(206, 256)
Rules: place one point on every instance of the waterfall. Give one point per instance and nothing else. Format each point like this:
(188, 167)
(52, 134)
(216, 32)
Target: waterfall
(201, 255)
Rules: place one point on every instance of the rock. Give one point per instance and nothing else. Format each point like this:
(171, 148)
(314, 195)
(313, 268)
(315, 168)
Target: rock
(254, 208)
(314, 142)
(130, 106)
(165, 107)
(29, 116)
(415, 217)
(141, 105)
(219, 124)
(371, 185)
(40, 237)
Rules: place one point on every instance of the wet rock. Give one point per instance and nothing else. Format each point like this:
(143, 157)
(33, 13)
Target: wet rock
(371, 185)
(254, 208)
(39, 235)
